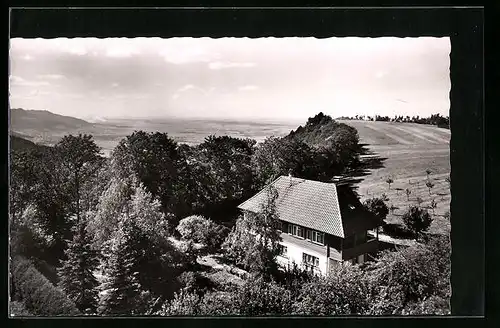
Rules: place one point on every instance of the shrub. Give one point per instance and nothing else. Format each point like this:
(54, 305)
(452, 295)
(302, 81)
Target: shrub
(343, 292)
(202, 230)
(195, 282)
(17, 309)
(38, 294)
(405, 279)
(417, 220)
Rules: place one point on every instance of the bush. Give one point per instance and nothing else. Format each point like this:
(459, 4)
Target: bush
(341, 293)
(254, 298)
(195, 282)
(396, 230)
(17, 309)
(38, 294)
(202, 230)
(417, 220)
(408, 279)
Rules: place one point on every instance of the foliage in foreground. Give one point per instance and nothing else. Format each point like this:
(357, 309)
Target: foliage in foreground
(254, 298)
(37, 293)
(413, 280)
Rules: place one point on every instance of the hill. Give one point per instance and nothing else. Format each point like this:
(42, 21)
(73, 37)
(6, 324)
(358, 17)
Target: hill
(407, 150)
(44, 127)
(18, 143)
(24, 121)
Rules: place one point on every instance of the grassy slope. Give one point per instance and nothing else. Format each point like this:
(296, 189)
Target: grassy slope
(410, 149)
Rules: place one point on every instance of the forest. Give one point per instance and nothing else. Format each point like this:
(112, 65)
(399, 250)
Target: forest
(434, 119)
(123, 235)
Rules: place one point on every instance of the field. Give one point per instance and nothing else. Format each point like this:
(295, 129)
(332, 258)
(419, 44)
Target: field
(409, 150)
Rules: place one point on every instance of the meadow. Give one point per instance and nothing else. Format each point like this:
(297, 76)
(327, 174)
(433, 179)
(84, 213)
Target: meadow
(409, 149)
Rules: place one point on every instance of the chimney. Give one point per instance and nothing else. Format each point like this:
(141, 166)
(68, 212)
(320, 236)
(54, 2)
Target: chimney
(290, 176)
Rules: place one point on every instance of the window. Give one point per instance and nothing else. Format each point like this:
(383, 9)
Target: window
(296, 230)
(318, 237)
(282, 250)
(310, 260)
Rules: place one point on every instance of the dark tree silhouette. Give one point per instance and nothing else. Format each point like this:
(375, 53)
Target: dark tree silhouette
(417, 220)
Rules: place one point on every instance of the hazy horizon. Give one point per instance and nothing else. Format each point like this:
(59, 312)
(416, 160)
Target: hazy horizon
(230, 78)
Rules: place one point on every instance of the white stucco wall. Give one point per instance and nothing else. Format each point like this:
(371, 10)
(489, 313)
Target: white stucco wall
(294, 254)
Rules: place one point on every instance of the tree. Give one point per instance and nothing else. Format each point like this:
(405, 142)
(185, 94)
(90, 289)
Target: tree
(154, 159)
(39, 296)
(377, 206)
(122, 289)
(280, 156)
(229, 162)
(429, 185)
(254, 241)
(77, 272)
(201, 230)
(140, 229)
(113, 204)
(408, 193)
(428, 172)
(79, 156)
(389, 181)
(417, 220)
(433, 206)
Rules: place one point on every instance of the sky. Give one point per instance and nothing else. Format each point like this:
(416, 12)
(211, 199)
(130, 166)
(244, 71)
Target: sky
(273, 78)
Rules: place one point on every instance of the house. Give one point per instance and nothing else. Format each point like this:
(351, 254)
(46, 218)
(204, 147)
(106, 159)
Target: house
(322, 224)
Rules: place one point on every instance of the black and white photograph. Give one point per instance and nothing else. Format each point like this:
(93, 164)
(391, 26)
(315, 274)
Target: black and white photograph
(234, 176)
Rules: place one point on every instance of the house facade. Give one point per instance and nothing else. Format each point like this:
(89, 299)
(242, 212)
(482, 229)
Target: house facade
(322, 224)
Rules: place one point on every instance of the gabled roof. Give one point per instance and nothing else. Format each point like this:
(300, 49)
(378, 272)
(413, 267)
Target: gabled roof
(308, 203)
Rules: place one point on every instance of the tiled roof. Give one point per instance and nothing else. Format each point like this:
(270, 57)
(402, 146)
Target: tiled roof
(308, 203)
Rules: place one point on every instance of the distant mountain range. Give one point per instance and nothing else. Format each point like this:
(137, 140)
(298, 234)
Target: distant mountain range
(42, 120)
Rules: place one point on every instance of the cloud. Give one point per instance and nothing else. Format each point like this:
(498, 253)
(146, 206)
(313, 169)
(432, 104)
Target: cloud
(76, 50)
(248, 88)
(19, 81)
(114, 85)
(189, 87)
(51, 77)
(222, 65)
(27, 57)
(121, 52)
(186, 54)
